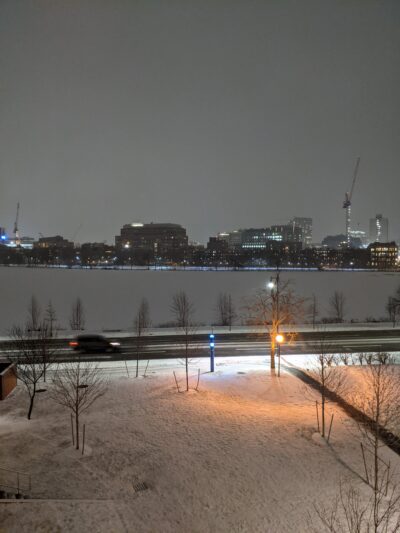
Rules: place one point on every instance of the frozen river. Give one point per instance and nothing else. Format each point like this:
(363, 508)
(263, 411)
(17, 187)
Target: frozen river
(111, 297)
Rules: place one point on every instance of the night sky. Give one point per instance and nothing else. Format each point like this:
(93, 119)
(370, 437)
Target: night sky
(212, 114)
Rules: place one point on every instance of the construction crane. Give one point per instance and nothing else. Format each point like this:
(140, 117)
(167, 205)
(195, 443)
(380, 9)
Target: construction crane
(347, 203)
(77, 231)
(17, 240)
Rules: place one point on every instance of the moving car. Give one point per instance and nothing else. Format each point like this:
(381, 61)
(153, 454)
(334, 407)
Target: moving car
(94, 343)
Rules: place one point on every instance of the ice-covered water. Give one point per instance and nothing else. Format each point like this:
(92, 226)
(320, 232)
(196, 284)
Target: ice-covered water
(110, 297)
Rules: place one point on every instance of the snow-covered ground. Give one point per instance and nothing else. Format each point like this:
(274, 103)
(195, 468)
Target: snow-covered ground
(239, 455)
(111, 298)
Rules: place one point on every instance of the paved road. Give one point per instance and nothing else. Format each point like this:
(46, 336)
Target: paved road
(239, 344)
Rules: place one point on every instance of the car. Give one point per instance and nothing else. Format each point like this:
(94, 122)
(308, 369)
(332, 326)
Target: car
(94, 343)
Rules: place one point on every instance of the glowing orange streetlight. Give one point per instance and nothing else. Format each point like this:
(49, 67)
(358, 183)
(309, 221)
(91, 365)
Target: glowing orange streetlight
(279, 339)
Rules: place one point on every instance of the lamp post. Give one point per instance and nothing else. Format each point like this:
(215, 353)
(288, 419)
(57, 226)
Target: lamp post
(273, 285)
(279, 339)
(212, 346)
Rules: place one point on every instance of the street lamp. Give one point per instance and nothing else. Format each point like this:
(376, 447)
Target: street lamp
(273, 285)
(212, 353)
(279, 339)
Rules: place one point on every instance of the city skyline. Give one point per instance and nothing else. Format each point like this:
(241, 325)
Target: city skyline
(7, 231)
(225, 115)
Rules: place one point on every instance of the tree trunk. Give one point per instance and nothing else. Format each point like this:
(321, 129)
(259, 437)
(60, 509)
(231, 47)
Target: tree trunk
(31, 404)
(323, 412)
(376, 468)
(137, 358)
(77, 429)
(272, 354)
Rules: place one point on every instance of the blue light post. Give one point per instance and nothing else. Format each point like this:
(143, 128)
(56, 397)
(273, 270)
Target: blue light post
(212, 346)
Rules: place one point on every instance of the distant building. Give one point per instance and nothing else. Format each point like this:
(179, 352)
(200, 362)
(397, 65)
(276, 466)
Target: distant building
(339, 242)
(358, 236)
(255, 239)
(378, 229)
(53, 242)
(258, 238)
(24, 242)
(217, 249)
(383, 255)
(97, 253)
(53, 250)
(153, 242)
(335, 242)
(3, 236)
(233, 238)
(346, 258)
(306, 225)
(289, 233)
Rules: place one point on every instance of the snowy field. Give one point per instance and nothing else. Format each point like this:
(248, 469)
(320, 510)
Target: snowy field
(239, 455)
(111, 297)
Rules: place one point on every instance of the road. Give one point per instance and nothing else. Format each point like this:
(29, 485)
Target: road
(171, 346)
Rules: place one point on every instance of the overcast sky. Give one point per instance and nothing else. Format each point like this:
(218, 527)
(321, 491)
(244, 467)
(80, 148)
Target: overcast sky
(212, 114)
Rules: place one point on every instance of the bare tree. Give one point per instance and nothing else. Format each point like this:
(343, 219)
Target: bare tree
(326, 372)
(273, 307)
(345, 358)
(141, 323)
(314, 310)
(337, 303)
(32, 354)
(51, 319)
(183, 311)
(393, 307)
(379, 399)
(351, 513)
(77, 386)
(77, 319)
(226, 312)
(348, 513)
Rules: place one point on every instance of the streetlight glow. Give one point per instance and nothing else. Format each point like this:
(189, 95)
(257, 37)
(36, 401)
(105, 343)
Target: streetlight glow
(271, 284)
(279, 338)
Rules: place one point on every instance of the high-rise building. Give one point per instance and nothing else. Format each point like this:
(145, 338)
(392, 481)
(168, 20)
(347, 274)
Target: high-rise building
(378, 229)
(286, 233)
(161, 241)
(306, 225)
